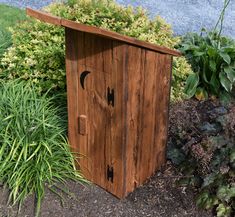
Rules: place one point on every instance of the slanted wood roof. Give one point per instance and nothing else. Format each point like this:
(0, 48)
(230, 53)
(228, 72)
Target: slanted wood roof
(99, 31)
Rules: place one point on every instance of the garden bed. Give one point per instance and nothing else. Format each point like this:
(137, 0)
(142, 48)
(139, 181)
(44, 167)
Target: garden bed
(160, 196)
(157, 198)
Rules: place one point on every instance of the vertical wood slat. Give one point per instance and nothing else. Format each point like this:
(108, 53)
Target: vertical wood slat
(162, 98)
(116, 158)
(107, 71)
(72, 87)
(133, 79)
(147, 120)
(97, 109)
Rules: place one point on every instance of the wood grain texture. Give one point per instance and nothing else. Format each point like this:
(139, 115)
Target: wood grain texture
(102, 144)
(128, 137)
(45, 17)
(72, 87)
(134, 79)
(147, 118)
(125, 139)
(99, 32)
(163, 97)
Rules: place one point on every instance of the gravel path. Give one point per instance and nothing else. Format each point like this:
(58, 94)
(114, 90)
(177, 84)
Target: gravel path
(184, 15)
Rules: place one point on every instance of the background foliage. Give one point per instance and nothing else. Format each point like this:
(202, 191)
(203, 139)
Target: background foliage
(38, 48)
(13, 15)
(213, 61)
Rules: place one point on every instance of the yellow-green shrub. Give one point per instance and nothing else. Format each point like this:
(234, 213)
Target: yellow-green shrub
(38, 48)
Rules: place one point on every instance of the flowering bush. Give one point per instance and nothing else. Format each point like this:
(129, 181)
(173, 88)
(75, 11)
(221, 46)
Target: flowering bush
(38, 48)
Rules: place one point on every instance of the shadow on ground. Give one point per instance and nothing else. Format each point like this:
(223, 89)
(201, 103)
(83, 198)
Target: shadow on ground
(159, 197)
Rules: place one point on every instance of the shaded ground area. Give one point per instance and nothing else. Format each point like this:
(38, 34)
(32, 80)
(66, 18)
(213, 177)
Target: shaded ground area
(159, 197)
(183, 15)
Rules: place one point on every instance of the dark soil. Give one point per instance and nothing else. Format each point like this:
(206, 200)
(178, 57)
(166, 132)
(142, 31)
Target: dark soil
(159, 197)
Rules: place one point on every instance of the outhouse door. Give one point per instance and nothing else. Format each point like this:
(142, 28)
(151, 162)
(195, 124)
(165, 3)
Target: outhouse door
(96, 119)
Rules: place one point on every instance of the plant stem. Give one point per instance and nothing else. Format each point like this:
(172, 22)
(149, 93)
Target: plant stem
(221, 18)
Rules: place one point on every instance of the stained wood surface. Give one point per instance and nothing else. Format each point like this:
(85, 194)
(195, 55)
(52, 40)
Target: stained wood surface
(102, 145)
(45, 17)
(148, 85)
(118, 144)
(98, 31)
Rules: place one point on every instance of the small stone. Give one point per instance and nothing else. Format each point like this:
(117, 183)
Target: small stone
(208, 128)
(220, 110)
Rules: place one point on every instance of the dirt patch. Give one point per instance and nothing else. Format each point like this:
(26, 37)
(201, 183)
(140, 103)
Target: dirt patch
(159, 197)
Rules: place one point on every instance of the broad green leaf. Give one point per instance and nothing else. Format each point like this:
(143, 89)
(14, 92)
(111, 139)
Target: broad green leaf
(191, 84)
(226, 83)
(228, 49)
(225, 57)
(201, 94)
(202, 198)
(205, 200)
(215, 83)
(225, 193)
(209, 179)
(232, 156)
(206, 70)
(198, 53)
(222, 192)
(212, 52)
(212, 65)
(223, 211)
(230, 73)
(176, 156)
(225, 97)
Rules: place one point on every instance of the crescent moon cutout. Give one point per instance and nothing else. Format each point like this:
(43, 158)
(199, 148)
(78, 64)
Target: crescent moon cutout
(82, 78)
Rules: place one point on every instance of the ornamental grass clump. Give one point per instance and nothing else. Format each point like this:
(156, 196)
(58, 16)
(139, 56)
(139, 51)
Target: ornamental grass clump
(33, 148)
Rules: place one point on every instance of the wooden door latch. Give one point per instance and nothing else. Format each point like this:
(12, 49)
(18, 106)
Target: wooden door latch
(82, 124)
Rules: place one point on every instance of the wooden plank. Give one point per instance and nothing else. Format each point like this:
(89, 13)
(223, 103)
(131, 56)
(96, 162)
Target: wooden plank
(80, 99)
(107, 69)
(119, 37)
(115, 130)
(42, 16)
(162, 98)
(97, 109)
(147, 118)
(134, 78)
(72, 88)
(100, 32)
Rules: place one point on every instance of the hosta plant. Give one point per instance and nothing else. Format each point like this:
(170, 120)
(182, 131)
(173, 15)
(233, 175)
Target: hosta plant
(213, 59)
(213, 62)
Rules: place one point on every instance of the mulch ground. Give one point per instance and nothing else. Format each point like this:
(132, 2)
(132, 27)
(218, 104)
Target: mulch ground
(158, 197)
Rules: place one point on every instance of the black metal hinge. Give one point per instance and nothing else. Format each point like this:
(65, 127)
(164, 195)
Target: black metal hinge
(110, 173)
(110, 96)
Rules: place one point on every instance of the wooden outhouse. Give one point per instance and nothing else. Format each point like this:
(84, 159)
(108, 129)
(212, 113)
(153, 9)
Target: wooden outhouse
(118, 99)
